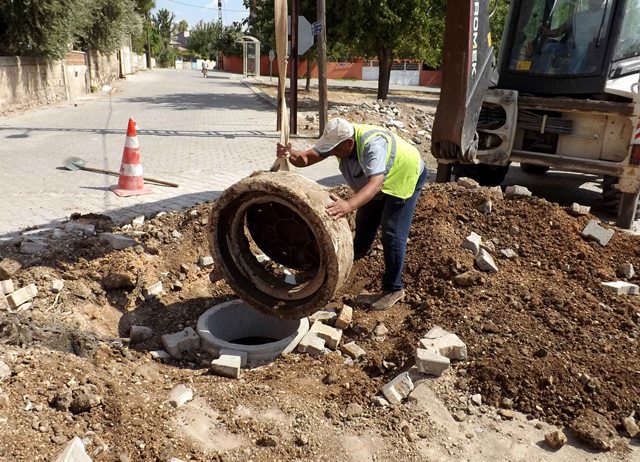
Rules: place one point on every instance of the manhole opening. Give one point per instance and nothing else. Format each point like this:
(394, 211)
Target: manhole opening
(253, 340)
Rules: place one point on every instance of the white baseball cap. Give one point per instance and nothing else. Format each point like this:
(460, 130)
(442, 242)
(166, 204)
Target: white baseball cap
(336, 131)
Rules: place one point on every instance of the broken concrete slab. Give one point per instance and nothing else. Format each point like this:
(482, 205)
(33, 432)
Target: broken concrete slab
(468, 183)
(631, 426)
(5, 371)
(622, 288)
(178, 343)
(398, 388)
(74, 452)
(486, 206)
(472, 242)
(4, 304)
(56, 286)
(330, 335)
(448, 345)
(344, 318)
(311, 344)
(87, 229)
(6, 287)
(229, 364)
(118, 241)
(205, 261)
(32, 247)
(326, 316)
(485, 262)
(625, 270)
(577, 210)
(509, 254)
(23, 295)
(517, 190)
(429, 361)
(152, 290)
(8, 268)
(140, 333)
(593, 231)
(180, 395)
(352, 350)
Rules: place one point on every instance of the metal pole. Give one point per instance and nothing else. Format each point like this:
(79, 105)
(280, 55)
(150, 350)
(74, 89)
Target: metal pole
(322, 66)
(293, 121)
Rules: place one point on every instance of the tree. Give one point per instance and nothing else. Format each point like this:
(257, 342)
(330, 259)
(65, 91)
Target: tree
(182, 26)
(165, 28)
(112, 22)
(144, 8)
(204, 38)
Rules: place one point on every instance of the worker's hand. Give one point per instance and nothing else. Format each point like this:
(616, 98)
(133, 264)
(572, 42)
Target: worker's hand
(338, 208)
(282, 151)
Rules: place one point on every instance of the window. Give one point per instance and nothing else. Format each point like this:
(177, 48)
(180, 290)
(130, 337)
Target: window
(628, 44)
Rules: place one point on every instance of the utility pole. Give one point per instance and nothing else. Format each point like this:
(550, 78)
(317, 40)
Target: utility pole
(293, 124)
(219, 54)
(322, 66)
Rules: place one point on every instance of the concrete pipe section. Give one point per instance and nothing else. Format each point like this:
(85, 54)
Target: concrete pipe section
(281, 215)
(236, 326)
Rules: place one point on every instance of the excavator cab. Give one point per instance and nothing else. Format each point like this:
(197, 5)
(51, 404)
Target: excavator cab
(563, 93)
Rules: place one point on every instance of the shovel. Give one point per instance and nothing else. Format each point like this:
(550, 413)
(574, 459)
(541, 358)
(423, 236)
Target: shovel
(75, 163)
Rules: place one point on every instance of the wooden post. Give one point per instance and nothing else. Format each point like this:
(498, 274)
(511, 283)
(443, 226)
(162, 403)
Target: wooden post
(322, 67)
(293, 124)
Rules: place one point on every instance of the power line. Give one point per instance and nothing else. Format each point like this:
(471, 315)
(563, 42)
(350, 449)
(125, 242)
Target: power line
(207, 7)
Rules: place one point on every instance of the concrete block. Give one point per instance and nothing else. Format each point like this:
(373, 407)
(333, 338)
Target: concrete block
(485, 262)
(330, 335)
(87, 229)
(429, 361)
(472, 242)
(242, 354)
(56, 286)
(625, 270)
(178, 343)
(8, 268)
(160, 355)
(180, 395)
(622, 288)
(577, 210)
(117, 241)
(152, 290)
(325, 316)
(448, 345)
(6, 287)
(468, 183)
(509, 254)
(352, 350)
(630, 425)
(74, 452)
(398, 389)
(31, 247)
(436, 332)
(517, 190)
(496, 192)
(4, 304)
(344, 318)
(205, 261)
(593, 231)
(227, 366)
(23, 295)
(311, 344)
(140, 333)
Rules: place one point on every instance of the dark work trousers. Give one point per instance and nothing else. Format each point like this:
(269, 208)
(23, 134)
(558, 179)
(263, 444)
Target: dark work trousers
(395, 216)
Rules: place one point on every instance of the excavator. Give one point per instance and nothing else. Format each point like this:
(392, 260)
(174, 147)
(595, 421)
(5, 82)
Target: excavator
(562, 93)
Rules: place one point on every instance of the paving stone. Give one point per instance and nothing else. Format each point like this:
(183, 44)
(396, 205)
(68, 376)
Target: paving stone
(344, 318)
(330, 335)
(32, 247)
(509, 254)
(23, 295)
(80, 228)
(625, 270)
(398, 388)
(472, 242)
(178, 343)
(622, 288)
(353, 350)
(466, 182)
(327, 316)
(118, 241)
(448, 345)
(593, 231)
(140, 333)
(577, 210)
(429, 361)
(311, 344)
(485, 262)
(56, 286)
(6, 286)
(228, 365)
(517, 190)
(152, 290)
(74, 452)
(180, 395)
(205, 261)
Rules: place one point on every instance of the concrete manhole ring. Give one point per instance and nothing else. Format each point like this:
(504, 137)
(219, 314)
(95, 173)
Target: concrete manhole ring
(282, 215)
(234, 325)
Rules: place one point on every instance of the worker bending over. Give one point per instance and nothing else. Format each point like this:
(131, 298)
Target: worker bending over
(387, 174)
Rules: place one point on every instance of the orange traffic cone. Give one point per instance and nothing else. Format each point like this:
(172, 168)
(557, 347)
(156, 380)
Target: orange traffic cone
(131, 182)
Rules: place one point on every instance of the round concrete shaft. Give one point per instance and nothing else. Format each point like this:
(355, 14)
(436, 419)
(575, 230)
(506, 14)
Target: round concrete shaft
(286, 217)
(220, 325)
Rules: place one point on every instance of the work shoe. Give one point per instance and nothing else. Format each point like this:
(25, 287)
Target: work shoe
(387, 300)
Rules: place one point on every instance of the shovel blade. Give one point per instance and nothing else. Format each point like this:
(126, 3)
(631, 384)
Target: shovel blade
(74, 163)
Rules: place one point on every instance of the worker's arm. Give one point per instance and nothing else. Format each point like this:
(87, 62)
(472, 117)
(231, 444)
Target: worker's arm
(299, 158)
(341, 207)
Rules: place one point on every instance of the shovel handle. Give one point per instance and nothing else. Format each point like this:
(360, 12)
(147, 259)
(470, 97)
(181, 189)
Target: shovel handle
(146, 180)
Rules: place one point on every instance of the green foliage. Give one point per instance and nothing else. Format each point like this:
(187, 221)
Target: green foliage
(203, 39)
(165, 28)
(498, 21)
(113, 21)
(182, 26)
(228, 41)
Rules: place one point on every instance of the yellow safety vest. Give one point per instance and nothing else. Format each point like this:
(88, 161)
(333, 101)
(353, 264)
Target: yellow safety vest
(403, 160)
